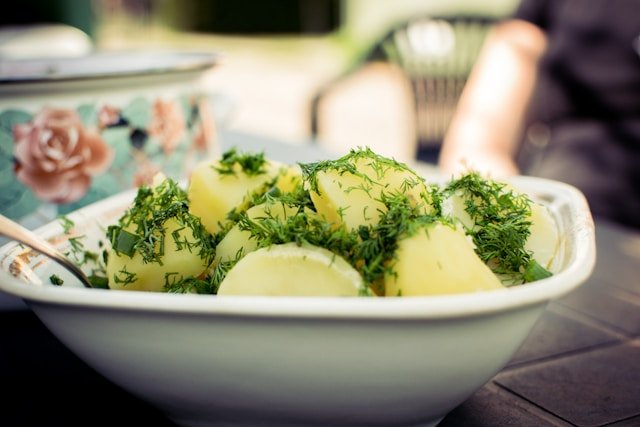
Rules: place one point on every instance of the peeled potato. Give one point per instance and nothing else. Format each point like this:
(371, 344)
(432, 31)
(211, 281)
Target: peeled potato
(544, 239)
(289, 177)
(239, 242)
(454, 206)
(292, 270)
(150, 276)
(213, 195)
(438, 259)
(354, 200)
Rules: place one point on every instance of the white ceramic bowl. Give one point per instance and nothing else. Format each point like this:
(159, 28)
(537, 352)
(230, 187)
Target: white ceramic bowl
(207, 360)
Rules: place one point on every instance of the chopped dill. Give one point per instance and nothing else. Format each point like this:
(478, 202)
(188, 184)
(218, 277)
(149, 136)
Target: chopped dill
(124, 277)
(176, 283)
(142, 228)
(376, 247)
(83, 257)
(56, 280)
(351, 162)
(368, 248)
(250, 163)
(67, 223)
(502, 221)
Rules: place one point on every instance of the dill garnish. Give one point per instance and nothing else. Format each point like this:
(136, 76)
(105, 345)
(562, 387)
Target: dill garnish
(142, 228)
(374, 252)
(351, 163)
(124, 277)
(501, 224)
(250, 163)
(67, 223)
(83, 257)
(56, 280)
(368, 248)
(382, 202)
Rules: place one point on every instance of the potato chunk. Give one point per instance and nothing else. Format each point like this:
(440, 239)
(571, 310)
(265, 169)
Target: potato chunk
(292, 270)
(289, 177)
(438, 259)
(544, 240)
(215, 189)
(133, 273)
(238, 242)
(349, 191)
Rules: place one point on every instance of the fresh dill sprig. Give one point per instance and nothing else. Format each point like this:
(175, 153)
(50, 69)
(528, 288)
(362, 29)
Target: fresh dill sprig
(83, 257)
(351, 163)
(66, 223)
(378, 242)
(250, 163)
(297, 197)
(142, 228)
(176, 283)
(124, 277)
(369, 249)
(56, 280)
(501, 223)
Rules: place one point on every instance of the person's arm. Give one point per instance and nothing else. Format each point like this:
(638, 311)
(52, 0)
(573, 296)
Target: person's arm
(484, 130)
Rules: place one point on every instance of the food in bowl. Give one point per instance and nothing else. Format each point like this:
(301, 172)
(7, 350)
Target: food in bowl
(261, 360)
(359, 225)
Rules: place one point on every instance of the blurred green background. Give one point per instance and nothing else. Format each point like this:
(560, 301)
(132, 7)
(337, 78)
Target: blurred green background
(295, 70)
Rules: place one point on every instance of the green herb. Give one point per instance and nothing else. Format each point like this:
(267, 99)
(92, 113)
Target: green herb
(351, 163)
(374, 252)
(368, 248)
(502, 221)
(142, 228)
(84, 258)
(98, 281)
(176, 283)
(56, 280)
(124, 277)
(250, 163)
(125, 242)
(67, 224)
(535, 271)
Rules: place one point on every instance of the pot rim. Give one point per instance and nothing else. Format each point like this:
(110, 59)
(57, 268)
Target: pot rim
(102, 65)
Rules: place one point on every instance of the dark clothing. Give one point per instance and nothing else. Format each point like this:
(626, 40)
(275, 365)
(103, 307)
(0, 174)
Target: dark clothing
(588, 95)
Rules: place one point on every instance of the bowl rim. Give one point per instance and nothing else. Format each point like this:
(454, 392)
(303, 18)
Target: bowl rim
(576, 272)
(121, 64)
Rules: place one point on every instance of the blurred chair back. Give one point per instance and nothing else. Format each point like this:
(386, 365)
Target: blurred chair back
(436, 55)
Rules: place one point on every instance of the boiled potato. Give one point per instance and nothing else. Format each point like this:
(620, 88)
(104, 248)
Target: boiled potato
(132, 273)
(544, 237)
(454, 206)
(343, 197)
(544, 240)
(238, 242)
(292, 270)
(438, 259)
(212, 194)
(289, 178)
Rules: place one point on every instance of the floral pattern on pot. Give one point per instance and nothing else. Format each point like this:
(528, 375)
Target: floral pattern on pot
(56, 156)
(56, 160)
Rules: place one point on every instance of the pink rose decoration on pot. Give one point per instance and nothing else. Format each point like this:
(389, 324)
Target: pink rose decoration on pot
(167, 124)
(205, 136)
(56, 156)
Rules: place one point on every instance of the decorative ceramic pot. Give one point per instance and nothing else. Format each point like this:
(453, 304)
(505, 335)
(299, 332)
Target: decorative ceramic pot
(76, 130)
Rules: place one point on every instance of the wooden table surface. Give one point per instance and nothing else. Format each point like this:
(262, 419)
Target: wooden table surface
(579, 367)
